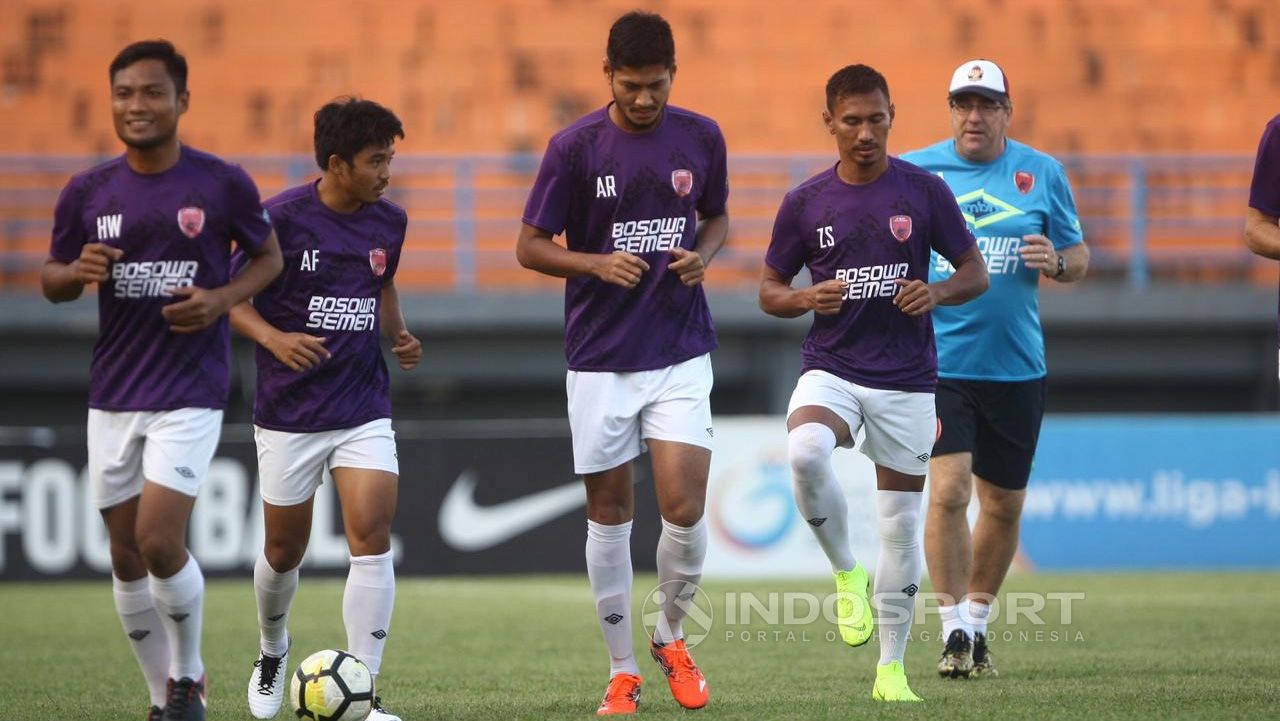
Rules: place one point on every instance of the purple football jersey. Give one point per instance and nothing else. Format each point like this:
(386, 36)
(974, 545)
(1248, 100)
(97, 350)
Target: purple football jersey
(869, 236)
(1264, 192)
(335, 266)
(609, 190)
(176, 229)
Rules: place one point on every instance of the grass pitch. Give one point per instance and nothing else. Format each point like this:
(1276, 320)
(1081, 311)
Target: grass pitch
(1167, 646)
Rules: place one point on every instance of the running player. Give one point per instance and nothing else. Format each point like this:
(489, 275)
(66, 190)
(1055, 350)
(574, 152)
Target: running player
(153, 229)
(1261, 233)
(864, 229)
(991, 367)
(639, 190)
(323, 398)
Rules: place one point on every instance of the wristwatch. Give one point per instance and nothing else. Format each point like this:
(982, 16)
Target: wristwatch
(1062, 267)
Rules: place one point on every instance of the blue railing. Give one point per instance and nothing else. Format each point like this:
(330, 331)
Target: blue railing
(1145, 216)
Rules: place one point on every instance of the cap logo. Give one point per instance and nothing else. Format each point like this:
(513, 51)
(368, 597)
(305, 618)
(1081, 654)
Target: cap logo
(975, 72)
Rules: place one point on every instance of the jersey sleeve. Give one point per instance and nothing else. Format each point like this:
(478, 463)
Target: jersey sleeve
(951, 235)
(250, 222)
(68, 229)
(715, 194)
(1064, 222)
(548, 205)
(393, 257)
(1264, 191)
(786, 253)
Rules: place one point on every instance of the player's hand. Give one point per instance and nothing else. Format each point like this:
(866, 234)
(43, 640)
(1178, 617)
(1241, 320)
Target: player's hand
(688, 265)
(408, 350)
(94, 263)
(915, 297)
(299, 351)
(199, 309)
(620, 268)
(827, 297)
(1038, 254)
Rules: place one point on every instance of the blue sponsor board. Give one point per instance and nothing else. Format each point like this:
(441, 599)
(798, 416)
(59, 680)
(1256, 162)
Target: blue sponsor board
(1133, 492)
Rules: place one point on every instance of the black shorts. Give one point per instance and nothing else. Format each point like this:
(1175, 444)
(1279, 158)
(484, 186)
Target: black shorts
(997, 421)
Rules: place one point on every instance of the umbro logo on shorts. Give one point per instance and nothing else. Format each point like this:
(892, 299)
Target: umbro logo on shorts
(711, 432)
(185, 472)
(613, 618)
(923, 457)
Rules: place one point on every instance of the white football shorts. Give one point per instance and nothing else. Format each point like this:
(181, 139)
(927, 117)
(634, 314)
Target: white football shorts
(291, 466)
(612, 414)
(128, 448)
(900, 426)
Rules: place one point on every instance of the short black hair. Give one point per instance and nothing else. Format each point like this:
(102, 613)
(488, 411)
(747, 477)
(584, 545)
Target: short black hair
(347, 125)
(639, 39)
(161, 50)
(855, 80)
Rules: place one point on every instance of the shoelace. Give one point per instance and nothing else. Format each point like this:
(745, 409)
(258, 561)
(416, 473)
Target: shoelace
(956, 642)
(180, 695)
(682, 666)
(269, 668)
(377, 704)
(626, 689)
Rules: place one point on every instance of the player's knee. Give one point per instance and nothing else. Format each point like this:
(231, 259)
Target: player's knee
(809, 450)
(899, 530)
(283, 555)
(126, 560)
(162, 555)
(608, 511)
(370, 541)
(685, 512)
(949, 497)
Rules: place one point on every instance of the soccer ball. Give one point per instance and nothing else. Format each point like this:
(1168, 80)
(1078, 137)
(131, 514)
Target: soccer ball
(332, 686)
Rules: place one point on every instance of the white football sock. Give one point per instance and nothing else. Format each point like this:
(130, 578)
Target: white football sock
(681, 551)
(977, 614)
(275, 592)
(897, 570)
(952, 619)
(146, 632)
(818, 494)
(366, 607)
(609, 570)
(180, 601)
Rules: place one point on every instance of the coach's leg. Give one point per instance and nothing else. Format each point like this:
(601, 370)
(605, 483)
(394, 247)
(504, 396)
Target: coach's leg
(680, 473)
(134, 604)
(176, 581)
(610, 508)
(947, 543)
(368, 499)
(995, 542)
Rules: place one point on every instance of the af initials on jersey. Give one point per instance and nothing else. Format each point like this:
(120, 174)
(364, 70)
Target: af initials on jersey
(310, 260)
(606, 187)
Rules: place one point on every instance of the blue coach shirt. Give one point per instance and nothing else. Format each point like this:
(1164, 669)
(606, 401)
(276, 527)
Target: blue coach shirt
(997, 336)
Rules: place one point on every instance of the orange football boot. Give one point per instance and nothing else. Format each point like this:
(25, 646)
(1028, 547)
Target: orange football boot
(688, 685)
(622, 696)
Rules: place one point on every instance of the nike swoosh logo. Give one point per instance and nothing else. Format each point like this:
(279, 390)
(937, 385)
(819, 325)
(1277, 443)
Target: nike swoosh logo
(466, 526)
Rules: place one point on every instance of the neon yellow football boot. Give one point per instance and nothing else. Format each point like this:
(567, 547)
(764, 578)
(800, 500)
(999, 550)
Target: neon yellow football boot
(853, 609)
(891, 684)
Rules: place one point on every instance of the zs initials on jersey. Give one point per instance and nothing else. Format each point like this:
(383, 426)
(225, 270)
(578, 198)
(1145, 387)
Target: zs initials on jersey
(826, 237)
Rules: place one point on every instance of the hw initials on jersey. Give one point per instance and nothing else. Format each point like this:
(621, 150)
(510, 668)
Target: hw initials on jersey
(109, 226)
(310, 259)
(606, 187)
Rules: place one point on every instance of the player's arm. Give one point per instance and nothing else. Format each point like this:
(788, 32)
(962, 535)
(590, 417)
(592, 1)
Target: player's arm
(1261, 234)
(537, 250)
(916, 297)
(691, 266)
(298, 351)
(778, 298)
(200, 307)
(62, 282)
(407, 348)
(1039, 254)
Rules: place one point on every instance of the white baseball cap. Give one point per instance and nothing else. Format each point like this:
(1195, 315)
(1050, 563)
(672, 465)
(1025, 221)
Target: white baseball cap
(980, 76)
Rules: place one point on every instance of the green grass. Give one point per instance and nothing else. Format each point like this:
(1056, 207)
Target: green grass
(1167, 646)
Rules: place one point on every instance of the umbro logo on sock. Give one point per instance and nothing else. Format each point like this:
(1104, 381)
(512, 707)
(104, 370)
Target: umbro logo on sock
(275, 618)
(185, 472)
(379, 634)
(179, 617)
(613, 618)
(911, 590)
(815, 522)
(139, 634)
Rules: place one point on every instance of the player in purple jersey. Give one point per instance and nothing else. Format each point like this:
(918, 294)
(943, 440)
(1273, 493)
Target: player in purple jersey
(323, 398)
(1261, 232)
(639, 189)
(864, 229)
(153, 228)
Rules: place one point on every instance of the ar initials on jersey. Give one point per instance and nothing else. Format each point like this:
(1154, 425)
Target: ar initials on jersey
(826, 237)
(109, 226)
(310, 259)
(606, 187)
